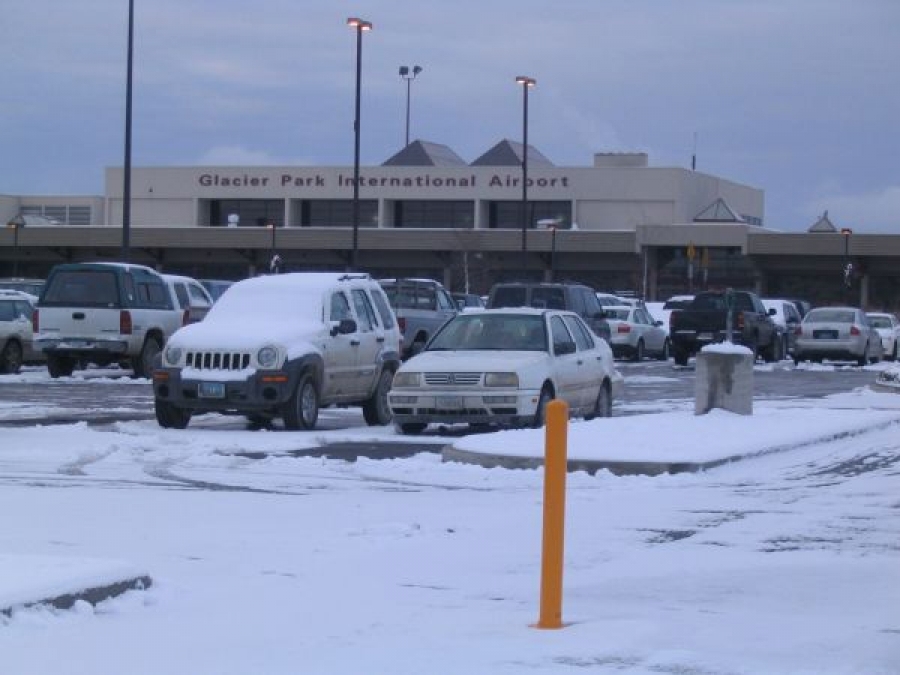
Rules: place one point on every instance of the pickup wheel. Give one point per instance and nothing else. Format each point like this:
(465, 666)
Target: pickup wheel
(680, 355)
(11, 358)
(60, 366)
(170, 416)
(376, 411)
(302, 409)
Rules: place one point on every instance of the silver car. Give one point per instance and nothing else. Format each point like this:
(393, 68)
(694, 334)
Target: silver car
(888, 327)
(634, 333)
(837, 333)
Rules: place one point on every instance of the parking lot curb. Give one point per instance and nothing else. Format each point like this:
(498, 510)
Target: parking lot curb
(617, 467)
(92, 595)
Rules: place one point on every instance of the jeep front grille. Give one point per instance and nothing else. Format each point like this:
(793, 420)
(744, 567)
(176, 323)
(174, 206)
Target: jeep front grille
(218, 360)
(451, 379)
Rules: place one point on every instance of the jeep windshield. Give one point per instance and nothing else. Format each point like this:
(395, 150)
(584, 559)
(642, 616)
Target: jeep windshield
(253, 304)
(507, 332)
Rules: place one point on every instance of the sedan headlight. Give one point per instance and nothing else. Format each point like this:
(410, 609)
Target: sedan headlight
(409, 379)
(501, 380)
(267, 357)
(173, 355)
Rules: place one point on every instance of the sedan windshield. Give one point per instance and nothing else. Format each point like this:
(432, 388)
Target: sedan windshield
(492, 331)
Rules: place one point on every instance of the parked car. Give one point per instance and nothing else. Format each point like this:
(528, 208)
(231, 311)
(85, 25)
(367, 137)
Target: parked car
(283, 346)
(786, 318)
(104, 313)
(888, 327)
(678, 302)
(30, 286)
(422, 306)
(609, 300)
(576, 298)
(190, 297)
(839, 334)
(705, 321)
(16, 345)
(635, 334)
(215, 287)
(502, 367)
(467, 301)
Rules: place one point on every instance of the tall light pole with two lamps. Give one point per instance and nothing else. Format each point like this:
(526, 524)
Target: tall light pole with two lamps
(409, 75)
(527, 83)
(848, 266)
(360, 26)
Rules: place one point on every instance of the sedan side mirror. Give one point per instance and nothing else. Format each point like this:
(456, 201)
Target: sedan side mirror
(344, 327)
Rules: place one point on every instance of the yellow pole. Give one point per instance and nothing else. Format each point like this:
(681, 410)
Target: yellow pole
(554, 515)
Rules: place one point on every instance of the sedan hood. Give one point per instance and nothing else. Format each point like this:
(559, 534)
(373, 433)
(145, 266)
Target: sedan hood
(481, 360)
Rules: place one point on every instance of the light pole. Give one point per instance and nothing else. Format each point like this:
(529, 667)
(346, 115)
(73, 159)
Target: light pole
(409, 76)
(848, 266)
(360, 25)
(15, 224)
(553, 225)
(274, 259)
(527, 83)
(126, 179)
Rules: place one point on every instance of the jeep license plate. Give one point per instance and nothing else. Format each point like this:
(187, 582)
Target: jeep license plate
(449, 402)
(211, 390)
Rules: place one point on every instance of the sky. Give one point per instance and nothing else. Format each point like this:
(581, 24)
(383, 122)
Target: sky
(796, 98)
(264, 562)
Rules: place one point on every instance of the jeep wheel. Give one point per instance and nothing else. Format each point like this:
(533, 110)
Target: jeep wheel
(143, 364)
(11, 358)
(376, 410)
(302, 409)
(170, 416)
(411, 428)
(60, 366)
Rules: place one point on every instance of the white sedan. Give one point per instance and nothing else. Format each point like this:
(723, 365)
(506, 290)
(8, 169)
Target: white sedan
(888, 328)
(502, 367)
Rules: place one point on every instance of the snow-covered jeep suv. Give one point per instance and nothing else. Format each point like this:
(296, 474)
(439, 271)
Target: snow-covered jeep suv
(103, 313)
(283, 346)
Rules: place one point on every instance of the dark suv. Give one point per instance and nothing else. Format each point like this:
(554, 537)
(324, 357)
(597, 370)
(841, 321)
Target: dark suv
(576, 298)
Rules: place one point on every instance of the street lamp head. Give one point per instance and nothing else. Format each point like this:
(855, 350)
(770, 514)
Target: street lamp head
(405, 72)
(416, 70)
(359, 24)
(525, 80)
(846, 231)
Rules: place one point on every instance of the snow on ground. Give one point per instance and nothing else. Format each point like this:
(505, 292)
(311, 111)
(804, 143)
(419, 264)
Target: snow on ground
(268, 562)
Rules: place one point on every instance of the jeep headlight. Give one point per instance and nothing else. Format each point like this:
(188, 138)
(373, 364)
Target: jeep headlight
(267, 357)
(501, 380)
(409, 379)
(173, 355)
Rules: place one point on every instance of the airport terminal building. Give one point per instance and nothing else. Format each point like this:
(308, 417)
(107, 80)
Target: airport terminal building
(616, 224)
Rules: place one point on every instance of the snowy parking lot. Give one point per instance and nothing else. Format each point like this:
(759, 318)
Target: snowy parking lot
(265, 560)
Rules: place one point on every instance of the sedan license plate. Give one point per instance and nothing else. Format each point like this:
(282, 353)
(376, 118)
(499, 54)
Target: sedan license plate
(448, 402)
(825, 334)
(211, 390)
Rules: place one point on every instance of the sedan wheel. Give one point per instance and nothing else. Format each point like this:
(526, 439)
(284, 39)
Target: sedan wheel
(540, 414)
(638, 351)
(603, 404)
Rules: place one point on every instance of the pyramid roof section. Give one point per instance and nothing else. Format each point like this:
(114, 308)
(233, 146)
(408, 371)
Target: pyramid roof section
(823, 224)
(718, 212)
(424, 153)
(509, 153)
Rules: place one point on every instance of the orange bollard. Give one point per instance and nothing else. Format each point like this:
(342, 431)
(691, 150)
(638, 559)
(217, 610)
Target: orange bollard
(554, 515)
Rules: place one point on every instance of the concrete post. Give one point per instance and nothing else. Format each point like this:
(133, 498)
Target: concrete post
(724, 380)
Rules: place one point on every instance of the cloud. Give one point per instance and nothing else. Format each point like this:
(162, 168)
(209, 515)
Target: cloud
(875, 211)
(236, 155)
